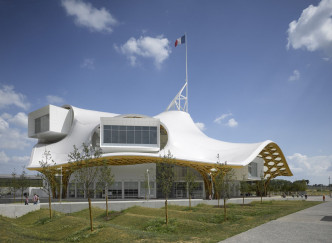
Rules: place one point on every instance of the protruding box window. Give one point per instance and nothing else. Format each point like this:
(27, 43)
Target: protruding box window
(42, 124)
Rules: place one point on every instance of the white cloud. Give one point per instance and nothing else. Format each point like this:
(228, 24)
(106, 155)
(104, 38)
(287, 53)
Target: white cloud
(3, 158)
(6, 116)
(222, 117)
(326, 59)
(232, 123)
(200, 125)
(3, 125)
(9, 97)
(53, 99)
(313, 30)
(88, 16)
(13, 138)
(88, 63)
(19, 161)
(222, 120)
(147, 47)
(295, 76)
(314, 168)
(20, 119)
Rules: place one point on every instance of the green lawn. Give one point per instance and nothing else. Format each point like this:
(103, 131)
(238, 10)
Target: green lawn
(137, 224)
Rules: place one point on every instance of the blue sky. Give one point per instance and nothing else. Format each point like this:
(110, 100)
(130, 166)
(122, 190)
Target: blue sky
(257, 70)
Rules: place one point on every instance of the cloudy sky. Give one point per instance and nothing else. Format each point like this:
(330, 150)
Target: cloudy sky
(257, 69)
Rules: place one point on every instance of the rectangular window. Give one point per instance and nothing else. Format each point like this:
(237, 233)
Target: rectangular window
(130, 134)
(153, 135)
(115, 135)
(138, 136)
(130, 189)
(115, 191)
(42, 124)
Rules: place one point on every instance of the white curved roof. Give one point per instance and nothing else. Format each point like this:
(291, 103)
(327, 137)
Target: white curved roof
(185, 141)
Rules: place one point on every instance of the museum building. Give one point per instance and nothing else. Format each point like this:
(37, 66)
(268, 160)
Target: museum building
(134, 144)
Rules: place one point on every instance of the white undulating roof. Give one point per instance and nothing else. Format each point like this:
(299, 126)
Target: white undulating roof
(185, 141)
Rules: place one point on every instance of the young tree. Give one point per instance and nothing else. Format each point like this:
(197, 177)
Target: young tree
(84, 173)
(165, 171)
(14, 186)
(47, 174)
(223, 179)
(191, 183)
(244, 188)
(218, 181)
(261, 187)
(23, 182)
(106, 179)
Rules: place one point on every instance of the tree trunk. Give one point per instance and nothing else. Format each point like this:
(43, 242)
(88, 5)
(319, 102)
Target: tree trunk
(218, 202)
(49, 205)
(243, 200)
(225, 212)
(106, 205)
(90, 211)
(261, 198)
(166, 211)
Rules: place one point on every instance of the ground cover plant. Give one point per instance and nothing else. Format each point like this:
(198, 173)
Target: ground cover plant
(203, 223)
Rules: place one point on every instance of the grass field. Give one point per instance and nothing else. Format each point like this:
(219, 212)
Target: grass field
(203, 223)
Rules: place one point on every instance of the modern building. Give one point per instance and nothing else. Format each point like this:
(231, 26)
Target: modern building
(133, 145)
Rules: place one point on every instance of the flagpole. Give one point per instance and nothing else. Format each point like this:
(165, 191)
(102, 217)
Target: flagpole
(186, 38)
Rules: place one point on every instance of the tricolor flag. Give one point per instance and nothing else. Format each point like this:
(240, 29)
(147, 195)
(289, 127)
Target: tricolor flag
(180, 41)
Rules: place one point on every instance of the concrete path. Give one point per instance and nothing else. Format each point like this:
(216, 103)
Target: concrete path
(304, 226)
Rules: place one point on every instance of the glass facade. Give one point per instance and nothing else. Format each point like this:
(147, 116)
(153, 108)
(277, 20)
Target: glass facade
(115, 191)
(130, 134)
(130, 189)
(42, 124)
(144, 190)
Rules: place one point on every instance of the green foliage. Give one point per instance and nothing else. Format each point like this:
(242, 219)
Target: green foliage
(47, 173)
(244, 186)
(80, 164)
(23, 182)
(278, 185)
(165, 171)
(191, 182)
(14, 185)
(223, 177)
(85, 174)
(299, 186)
(105, 178)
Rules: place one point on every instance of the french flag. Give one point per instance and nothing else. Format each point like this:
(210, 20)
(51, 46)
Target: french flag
(180, 41)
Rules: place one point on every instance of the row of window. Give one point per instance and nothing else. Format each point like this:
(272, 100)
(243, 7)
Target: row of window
(114, 191)
(130, 134)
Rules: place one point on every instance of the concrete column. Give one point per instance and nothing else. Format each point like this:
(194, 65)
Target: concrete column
(155, 189)
(122, 183)
(139, 189)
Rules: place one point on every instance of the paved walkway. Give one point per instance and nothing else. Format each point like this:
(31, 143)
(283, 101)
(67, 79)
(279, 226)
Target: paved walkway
(304, 226)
